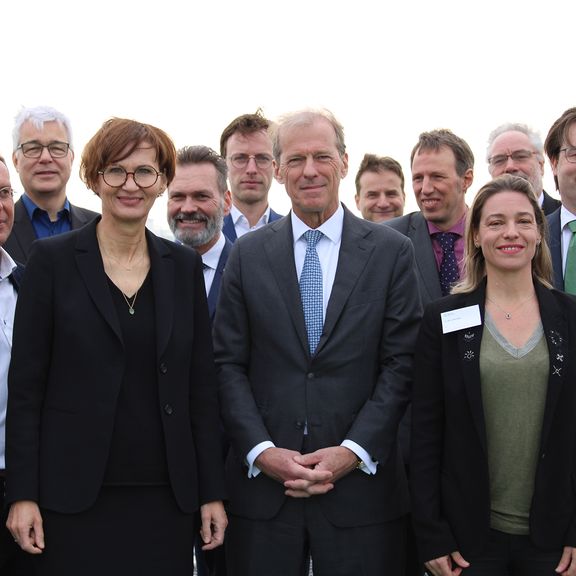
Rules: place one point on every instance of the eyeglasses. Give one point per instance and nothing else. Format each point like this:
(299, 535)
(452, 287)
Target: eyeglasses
(263, 161)
(35, 149)
(116, 176)
(6, 193)
(570, 154)
(519, 156)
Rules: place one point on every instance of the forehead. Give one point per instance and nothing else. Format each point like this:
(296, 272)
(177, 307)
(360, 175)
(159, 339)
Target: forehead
(252, 143)
(511, 141)
(308, 138)
(507, 202)
(49, 132)
(4, 175)
(385, 179)
(571, 135)
(190, 177)
(431, 160)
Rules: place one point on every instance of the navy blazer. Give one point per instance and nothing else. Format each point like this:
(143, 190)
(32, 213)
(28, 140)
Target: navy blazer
(67, 368)
(549, 204)
(449, 465)
(555, 245)
(20, 241)
(230, 231)
(215, 288)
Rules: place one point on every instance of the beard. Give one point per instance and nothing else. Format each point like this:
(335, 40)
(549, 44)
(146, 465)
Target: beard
(196, 239)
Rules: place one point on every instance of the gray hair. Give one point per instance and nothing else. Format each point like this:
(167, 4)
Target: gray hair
(37, 116)
(516, 127)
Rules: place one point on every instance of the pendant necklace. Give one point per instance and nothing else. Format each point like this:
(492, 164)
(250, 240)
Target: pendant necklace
(130, 302)
(508, 315)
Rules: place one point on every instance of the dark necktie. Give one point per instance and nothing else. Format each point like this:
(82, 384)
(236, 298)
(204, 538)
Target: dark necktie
(311, 290)
(449, 273)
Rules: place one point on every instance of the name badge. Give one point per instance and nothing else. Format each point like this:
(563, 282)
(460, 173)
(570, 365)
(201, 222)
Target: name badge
(460, 319)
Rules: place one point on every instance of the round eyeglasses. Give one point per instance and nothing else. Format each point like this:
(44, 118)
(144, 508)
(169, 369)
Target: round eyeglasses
(263, 161)
(116, 176)
(35, 149)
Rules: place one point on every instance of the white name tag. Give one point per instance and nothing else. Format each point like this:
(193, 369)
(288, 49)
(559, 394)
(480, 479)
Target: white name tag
(460, 319)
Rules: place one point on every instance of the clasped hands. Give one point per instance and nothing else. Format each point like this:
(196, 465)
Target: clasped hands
(305, 475)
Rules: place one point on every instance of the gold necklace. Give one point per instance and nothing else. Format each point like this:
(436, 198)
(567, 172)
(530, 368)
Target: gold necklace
(508, 315)
(130, 303)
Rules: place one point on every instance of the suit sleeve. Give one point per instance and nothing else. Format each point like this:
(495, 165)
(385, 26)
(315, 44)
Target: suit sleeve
(433, 533)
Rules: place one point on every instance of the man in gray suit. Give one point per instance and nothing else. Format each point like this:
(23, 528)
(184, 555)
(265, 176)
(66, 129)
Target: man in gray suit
(312, 404)
(43, 156)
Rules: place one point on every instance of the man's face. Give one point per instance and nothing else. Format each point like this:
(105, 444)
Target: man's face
(6, 206)
(438, 189)
(527, 164)
(250, 184)
(381, 196)
(196, 208)
(311, 169)
(565, 172)
(43, 176)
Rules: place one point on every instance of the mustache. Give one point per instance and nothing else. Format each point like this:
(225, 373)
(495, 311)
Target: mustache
(190, 218)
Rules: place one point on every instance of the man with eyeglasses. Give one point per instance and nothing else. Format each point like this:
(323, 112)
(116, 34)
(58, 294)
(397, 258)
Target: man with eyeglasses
(13, 560)
(247, 147)
(43, 157)
(517, 149)
(560, 146)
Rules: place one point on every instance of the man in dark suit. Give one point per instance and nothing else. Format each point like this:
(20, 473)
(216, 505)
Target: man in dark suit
(13, 560)
(43, 156)
(311, 396)
(198, 202)
(517, 149)
(247, 147)
(560, 146)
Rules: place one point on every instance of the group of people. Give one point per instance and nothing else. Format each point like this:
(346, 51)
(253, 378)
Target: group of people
(378, 395)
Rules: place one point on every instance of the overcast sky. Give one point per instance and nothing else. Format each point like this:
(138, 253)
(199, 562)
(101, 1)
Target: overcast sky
(387, 70)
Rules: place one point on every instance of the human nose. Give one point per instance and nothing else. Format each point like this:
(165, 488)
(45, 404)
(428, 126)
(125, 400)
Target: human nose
(251, 166)
(45, 155)
(427, 186)
(130, 181)
(310, 167)
(382, 201)
(189, 205)
(510, 230)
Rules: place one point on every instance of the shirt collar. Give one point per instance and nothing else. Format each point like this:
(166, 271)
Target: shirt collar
(565, 217)
(236, 215)
(7, 265)
(211, 257)
(458, 228)
(31, 207)
(332, 228)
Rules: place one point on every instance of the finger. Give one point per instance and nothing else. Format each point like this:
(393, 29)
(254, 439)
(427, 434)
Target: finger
(457, 557)
(565, 560)
(297, 493)
(320, 488)
(307, 460)
(38, 533)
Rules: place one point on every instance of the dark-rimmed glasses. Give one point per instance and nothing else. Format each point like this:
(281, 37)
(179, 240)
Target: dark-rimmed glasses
(517, 156)
(35, 149)
(263, 161)
(570, 154)
(116, 176)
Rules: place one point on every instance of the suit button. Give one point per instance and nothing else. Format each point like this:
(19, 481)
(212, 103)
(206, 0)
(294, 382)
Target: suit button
(310, 375)
(168, 409)
(299, 425)
(163, 368)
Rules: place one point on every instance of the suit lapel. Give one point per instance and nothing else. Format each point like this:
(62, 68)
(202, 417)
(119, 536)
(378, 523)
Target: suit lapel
(228, 229)
(555, 244)
(91, 268)
(163, 282)
(215, 288)
(279, 249)
(22, 231)
(425, 258)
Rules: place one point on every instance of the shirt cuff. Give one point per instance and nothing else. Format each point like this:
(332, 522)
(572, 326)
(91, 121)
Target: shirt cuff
(253, 470)
(367, 465)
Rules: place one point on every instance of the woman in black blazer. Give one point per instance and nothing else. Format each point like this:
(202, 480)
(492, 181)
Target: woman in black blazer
(493, 456)
(113, 439)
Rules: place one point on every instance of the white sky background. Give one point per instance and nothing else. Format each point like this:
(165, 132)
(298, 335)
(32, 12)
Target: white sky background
(387, 70)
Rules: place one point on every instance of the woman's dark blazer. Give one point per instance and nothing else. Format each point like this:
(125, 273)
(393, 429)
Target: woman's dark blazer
(67, 368)
(449, 466)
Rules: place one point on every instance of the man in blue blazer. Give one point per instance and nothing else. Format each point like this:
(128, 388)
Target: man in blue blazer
(312, 408)
(247, 147)
(560, 146)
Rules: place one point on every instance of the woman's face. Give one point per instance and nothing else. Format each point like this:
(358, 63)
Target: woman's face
(133, 199)
(508, 233)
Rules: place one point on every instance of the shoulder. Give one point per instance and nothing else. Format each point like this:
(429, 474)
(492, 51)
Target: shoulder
(176, 250)
(403, 223)
(84, 211)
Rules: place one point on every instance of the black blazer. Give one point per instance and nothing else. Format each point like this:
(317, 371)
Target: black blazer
(355, 386)
(555, 245)
(449, 468)
(20, 241)
(67, 366)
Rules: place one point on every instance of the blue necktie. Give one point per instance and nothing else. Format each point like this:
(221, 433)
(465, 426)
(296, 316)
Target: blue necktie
(449, 273)
(311, 290)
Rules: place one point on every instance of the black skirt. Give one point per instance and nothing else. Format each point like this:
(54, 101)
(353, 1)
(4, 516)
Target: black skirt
(130, 530)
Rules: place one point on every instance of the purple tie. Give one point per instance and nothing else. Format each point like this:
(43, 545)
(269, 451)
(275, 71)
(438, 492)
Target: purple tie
(449, 273)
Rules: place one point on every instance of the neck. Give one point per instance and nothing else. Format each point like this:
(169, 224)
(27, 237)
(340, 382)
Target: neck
(51, 202)
(509, 287)
(120, 238)
(205, 247)
(252, 212)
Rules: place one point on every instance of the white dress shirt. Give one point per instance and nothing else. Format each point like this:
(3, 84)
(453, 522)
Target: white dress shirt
(241, 224)
(7, 308)
(210, 260)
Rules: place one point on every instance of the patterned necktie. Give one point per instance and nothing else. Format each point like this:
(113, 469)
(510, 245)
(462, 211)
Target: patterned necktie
(449, 273)
(311, 290)
(570, 272)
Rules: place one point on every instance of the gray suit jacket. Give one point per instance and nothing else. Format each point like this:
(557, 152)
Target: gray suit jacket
(357, 384)
(20, 240)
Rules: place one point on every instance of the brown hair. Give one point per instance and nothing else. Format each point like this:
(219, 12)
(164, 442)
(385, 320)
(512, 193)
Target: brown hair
(557, 135)
(245, 124)
(373, 163)
(117, 139)
(474, 264)
(436, 139)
